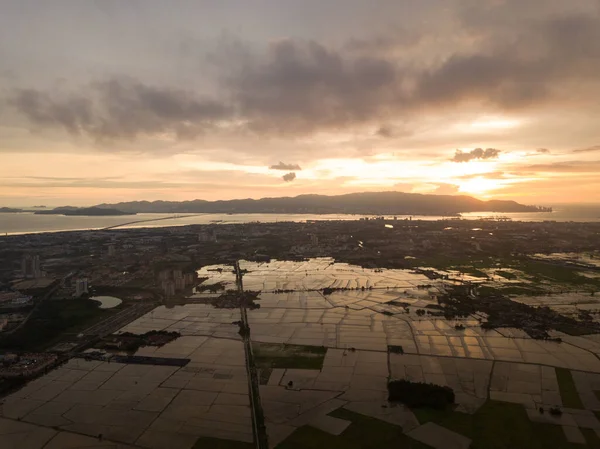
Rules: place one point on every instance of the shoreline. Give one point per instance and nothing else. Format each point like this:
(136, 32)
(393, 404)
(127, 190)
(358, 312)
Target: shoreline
(201, 219)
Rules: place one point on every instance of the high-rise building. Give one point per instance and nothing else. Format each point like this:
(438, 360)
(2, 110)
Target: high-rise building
(179, 283)
(168, 287)
(81, 287)
(30, 266)
(208, 236)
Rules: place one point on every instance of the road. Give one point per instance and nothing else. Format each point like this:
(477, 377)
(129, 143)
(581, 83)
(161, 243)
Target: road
(149, 220)
(115, 322)
(258, 426)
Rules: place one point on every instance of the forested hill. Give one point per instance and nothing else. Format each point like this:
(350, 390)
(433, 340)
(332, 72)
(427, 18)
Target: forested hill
(388, 203)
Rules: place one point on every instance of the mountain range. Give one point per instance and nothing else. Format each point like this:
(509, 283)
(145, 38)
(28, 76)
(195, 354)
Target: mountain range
(376, 203)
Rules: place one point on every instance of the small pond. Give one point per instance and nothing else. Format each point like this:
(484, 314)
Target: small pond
(107, 302)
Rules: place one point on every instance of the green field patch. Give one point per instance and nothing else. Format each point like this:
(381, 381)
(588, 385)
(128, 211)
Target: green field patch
(270, 355)
(568, 391)
(506, 275)
(540, 271)
(364, 432)
(394, 349)
(264, 374)
(592, 438)
(420, 394)
(217, 443)
(512, 290)
(501, 425)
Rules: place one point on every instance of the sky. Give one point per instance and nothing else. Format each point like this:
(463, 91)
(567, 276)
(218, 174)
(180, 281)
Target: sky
(123, 100)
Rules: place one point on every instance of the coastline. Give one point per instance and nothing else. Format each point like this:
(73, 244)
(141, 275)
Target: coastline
(29, 223)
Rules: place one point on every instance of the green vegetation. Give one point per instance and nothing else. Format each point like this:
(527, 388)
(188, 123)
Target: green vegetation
(471, 271)
(264, 375)
(53, 319)
(568, 391)
(514, 289)
(419, 394)
(269, 355)
(130, 343)
(536, 271)
(364, 432)
(540, 271)
(591, 437)
(501, 425)
(217, 443)
(392, 349)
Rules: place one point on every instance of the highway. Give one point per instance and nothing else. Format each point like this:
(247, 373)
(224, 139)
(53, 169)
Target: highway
(174, 217)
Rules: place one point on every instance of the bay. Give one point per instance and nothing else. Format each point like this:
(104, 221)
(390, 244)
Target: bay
(27, 222)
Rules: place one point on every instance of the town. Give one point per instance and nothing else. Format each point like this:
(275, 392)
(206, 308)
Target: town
(434, 289)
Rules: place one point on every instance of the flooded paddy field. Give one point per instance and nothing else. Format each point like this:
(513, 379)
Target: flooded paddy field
(326, 337)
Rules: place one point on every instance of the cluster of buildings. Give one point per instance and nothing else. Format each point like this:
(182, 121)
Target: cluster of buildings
(31, 267)
(163, 260)
(14, 300)
(173, 281)
(25, 365)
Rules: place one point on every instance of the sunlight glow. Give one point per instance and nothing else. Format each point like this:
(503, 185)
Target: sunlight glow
(479, 186)
(488, 124)
(495, 124)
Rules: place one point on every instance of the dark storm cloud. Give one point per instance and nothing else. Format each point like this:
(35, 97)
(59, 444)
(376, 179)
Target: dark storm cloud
(74, 113)
(588, 149)
(303, 86)
(121, 109)
(477, 153)
(522, 70)
(289, 177)
(284, 166)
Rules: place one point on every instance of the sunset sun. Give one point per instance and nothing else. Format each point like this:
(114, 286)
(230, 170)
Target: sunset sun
(479, 186)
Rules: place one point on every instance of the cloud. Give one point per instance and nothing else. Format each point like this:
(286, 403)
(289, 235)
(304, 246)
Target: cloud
(566, 167)
(289, 177)
(489, 175)
(542, 151)
(284, 166)
(393, 131)
(385, 131)
(477, 153)
(301, 87)
(588, 150)
(121, 108)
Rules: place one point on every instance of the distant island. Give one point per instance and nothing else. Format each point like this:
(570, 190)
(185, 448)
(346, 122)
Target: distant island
(7, 210)
(378, 203)
(84, 211)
